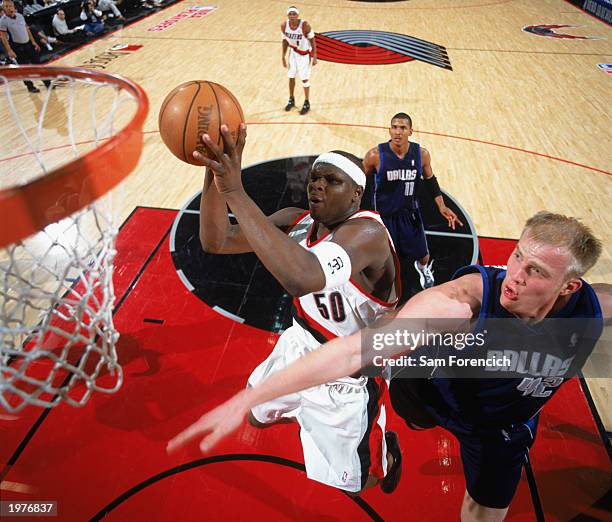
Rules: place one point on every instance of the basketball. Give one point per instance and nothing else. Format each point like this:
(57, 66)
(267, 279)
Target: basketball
(192, 109)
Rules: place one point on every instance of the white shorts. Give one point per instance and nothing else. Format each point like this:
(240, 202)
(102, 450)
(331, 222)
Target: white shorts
(299, 64)
(342, 423)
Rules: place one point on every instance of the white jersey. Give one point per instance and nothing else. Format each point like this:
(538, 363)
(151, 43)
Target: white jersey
(344, 309)
(342, 423)
(296, 39)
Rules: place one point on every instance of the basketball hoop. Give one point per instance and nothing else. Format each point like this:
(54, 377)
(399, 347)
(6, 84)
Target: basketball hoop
(69, 146)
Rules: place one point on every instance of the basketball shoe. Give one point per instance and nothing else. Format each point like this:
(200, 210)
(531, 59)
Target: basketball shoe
(392, 478)
(426, 277)
(305, 108)
(290, 103)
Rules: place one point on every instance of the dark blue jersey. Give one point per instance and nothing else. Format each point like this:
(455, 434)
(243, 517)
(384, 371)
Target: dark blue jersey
(397, 180)
(533, 377)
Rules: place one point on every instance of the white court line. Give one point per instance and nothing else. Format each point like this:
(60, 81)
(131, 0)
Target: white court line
(449, 234)
(185, 281)
(230, 315)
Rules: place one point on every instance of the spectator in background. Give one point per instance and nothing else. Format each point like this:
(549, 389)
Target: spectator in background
(4, 60)
(110, 5)
(42, 38)
(22, 48)
(61, 29)
(92, 18)
(28, 7)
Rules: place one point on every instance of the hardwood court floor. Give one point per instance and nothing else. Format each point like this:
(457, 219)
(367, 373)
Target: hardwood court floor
(521, 123)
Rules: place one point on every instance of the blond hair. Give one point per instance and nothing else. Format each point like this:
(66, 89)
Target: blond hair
(566, 232)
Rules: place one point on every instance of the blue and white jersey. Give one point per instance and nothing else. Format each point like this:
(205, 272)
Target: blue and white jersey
(397, 180)
(534, 376)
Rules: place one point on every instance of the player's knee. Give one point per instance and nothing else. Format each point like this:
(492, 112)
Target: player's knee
(306, 83)
(472, 511)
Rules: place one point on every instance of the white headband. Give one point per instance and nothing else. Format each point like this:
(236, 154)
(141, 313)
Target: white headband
(293, 9)
(345, 165)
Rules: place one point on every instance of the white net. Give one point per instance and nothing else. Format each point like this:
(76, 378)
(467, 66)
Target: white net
(57, 338)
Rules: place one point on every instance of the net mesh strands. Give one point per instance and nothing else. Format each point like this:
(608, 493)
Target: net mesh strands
(68, 146)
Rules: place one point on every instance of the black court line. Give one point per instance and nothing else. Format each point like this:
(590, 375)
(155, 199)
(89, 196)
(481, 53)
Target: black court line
(141, 271)
(533, 489)
(24, 442)
(231, 457)
(36, 425)
(605, 436)
(154, 321)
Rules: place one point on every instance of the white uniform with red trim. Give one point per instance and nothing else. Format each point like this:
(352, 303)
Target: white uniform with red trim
(342, 422)
(299, 51)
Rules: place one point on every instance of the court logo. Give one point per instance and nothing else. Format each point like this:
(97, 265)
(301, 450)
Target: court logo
(362, 47)
(606, 67)
(549, 31)
(102, 60)
(191, 13)
(239, 287)
(126, 48)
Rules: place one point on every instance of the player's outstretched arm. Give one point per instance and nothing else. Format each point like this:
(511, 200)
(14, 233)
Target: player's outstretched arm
(294, 267)
(217, 234)
(335, 359)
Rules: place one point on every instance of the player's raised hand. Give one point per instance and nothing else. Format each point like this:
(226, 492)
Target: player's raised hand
(227, 163)
(214, 425)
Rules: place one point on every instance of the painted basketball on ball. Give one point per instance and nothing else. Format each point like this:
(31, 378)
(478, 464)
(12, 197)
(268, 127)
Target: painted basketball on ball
(192, 109)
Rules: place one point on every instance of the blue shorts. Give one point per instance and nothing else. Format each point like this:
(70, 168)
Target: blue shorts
(493, 463)
(408, 234)
(493, 460)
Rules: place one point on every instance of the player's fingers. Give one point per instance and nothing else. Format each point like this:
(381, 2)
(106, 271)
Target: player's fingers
(212, 146)
(242, 135)
(228, 143)
(211, 440)
(182, 438)
(215, 166)
(200, 158)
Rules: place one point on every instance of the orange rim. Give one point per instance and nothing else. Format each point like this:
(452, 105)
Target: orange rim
(60, 193)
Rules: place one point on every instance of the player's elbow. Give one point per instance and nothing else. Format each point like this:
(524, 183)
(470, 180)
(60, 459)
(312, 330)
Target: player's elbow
(299, 285)
(210, 244)
(296, 288)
